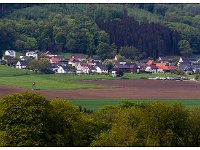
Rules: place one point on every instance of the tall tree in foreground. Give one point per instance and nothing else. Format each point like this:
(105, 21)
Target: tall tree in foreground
(150, 125)
(26, 120)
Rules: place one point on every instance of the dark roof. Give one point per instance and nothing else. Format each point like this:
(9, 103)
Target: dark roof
(102, 67)
(23, 62)
(121, 66)
(64, 67)
(189, 69)
(54, 65)
(76, 56)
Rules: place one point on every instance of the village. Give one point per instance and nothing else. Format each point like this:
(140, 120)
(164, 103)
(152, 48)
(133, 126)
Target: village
(82, 64)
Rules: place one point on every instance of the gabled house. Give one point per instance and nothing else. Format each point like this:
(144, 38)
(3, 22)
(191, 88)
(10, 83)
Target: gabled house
(32, 54)
(151, 69)
(54, 67)
(94, 61)
(101, 69)
(93, 69)
(150, 63)
(56, 59)
(63, 69)
(73, 62)
(133, 67)
(189, 71)
(163, 59)
(23, 57)
(123, 67)
(141, 66)
(79, 57)
(21, 64)
(83, 68)
(165, 67)
(10, 53)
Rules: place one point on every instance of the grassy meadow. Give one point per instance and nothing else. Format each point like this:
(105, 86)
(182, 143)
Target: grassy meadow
(97, 104)
(24, 78)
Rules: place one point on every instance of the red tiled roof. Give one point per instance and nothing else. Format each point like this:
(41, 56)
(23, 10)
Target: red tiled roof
(164, 67)
(150, 62)
(55, 60)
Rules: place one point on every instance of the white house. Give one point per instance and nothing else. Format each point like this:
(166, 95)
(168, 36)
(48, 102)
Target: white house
(62, 69)
(151, 69)
(21, 64)
(101, 69)
(83, 67)
(32, 54)
(73, 62)
(10, 53)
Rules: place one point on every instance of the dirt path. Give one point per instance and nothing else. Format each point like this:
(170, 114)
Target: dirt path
(142, 88)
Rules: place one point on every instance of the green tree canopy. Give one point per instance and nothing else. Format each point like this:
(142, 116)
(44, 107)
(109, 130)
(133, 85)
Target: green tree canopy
(184, 47)
(26, 120)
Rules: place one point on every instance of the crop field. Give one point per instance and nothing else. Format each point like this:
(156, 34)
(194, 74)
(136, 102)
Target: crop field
(96, 91)
(97, 104)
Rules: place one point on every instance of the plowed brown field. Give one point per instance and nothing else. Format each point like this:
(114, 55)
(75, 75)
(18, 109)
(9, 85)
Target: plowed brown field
(143, 88)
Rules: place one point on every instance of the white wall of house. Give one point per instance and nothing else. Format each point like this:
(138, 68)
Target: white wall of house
(32, 54)
(74, 64)
(20, 66)
(11, 53)
(149, 69)
(99, 70)
(61, 70)
(160, 71)
(84, 69)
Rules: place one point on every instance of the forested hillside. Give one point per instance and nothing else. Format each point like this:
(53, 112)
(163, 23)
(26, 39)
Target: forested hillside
(153, 29)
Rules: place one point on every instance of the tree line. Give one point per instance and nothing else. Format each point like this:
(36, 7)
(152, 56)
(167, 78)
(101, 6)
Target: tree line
(78, 28)
(28, 119)
(150, 38)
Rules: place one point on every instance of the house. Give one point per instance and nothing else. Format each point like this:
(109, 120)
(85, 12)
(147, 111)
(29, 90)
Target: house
(54, 67)
(10, 53)
(189, 70)
(32, 54)
(151, 69)
(23, 57)
(141, 66)
(101, 69)
(93, 69)
(63, 69)
(83, 68)
(21, 64)
(79, 57)
(133, 67)
(123, 67)
(165, 67)
(94, 61)
(117, 73)
(163, 59)
(73, 62)
(150, 63)
(56, 59)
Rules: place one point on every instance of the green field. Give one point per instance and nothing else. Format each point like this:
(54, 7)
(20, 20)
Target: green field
(24, 78)
(97, 104)
(138, 76)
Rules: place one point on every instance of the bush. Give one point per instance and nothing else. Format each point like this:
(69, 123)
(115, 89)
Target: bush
(178, 71)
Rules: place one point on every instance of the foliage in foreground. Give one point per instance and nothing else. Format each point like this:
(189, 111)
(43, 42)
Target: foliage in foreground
(29, 119)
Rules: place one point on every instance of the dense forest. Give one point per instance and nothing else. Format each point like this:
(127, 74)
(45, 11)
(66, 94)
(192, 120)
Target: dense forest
(153, 29)
(28, 119)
